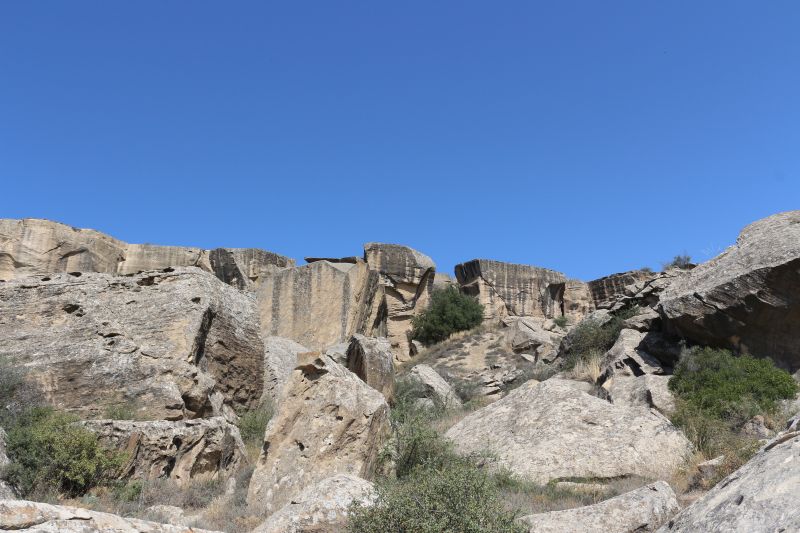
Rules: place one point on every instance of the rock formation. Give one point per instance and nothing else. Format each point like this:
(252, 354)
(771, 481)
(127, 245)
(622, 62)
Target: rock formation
(607, 290)
(321, 507)
(330, 422)
(372, 360)
(170, 344)
(38, 517)
(638, 511)
(182, 451)
(434, 387)
(320, 304)
(280, 359)
(552, 431)
(34, 247)
(763, 495)
(748, 297)
(407, 277)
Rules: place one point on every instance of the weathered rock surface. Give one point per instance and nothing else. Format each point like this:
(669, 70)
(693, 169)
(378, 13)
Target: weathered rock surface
(407, 277)
(748, 297)
(320, 304)
(638, 511)
(35, 247)
(183, 450)
(551, 431)
(19, 515)
(762, 496)
(320, 508)
(628, 357)
(435, 387)
(528, 335)
(606, 291)
(648, 390)
(372, 360)
(280, 359)
(507, 289)
(329, 422)
(170, 344)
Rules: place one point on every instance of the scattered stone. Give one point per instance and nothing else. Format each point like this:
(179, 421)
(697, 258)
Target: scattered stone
(320, 508)
(530, 336)
(638, 511)
(551, 431)
(436, 388)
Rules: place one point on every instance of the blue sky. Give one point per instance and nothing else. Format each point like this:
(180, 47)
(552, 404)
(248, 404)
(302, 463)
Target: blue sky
(589, 137)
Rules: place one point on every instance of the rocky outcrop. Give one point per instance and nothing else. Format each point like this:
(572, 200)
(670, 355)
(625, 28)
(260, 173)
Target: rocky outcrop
(638, 511)
(407, 277)
(552, 431)
(320, 508)
(606, 291)
(182, 451)
(762, 496)
(537, 337)
(45, 518)
(320, 304)
(748, 297)
(434, 387)
(169, 344)
(280, 359)
(329, 422)
(372, 360)
(506, 289)
(34, 247)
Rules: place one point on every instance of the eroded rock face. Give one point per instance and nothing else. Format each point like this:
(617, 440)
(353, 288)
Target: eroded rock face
(320, 304)
(507, 289)
(638, 511)
(280, 359)
(528, 335)
(552, 431)
(35, 247)
(435, 387)
(407, 277)
(322, 507)
(372, 360)
(170, 345)
(763, 495)
(182, 451)
(748, 297)
(329, 422)
(45, 518)
(606, 291)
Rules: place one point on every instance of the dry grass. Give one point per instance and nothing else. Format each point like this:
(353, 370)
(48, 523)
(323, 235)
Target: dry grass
(587, 368)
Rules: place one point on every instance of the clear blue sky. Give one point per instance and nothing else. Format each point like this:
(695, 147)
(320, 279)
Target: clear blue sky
(589, 137)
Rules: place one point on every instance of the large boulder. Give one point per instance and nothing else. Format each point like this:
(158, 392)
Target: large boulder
(322, 507)
(607, 291)
(748, 297)
(329, 422)
(552, 431)
(762, 496)
(170, 344)
(184, 450)
(531, 336)
(637, 511)
(372, 360)
(407, 277)
(280, 359)
(434, 387)
(507, 289)
(321, 303)
(34, 247)
(40, 517)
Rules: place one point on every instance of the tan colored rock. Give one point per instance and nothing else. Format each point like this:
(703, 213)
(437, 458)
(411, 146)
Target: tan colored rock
(35, 247)
(182, 450)
(329, 422)
(436, 388)
(648, 390)
(551, 431)
(372, 360)
(169, 345)
(319, 304)
(577, 300)
(748, 297)
(607, 291)
(507, 289)
(19, 515)
(529, 335)
(280, 360)
(320, 508)
(628, 357)
(407, 277)
(637, 511)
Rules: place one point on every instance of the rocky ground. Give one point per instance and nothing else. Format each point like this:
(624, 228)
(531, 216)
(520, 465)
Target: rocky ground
(177, 358)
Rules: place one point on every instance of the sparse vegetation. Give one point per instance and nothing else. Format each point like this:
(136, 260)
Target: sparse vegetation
(682, 261)
(120, 412)
(252, 426)
(450, 311)
(561, 321)
(51, 453)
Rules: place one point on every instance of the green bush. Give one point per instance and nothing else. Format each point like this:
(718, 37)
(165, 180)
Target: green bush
(49, 452)
(449, 312)
(561, 321)
(592, 338)
(682, 261)
(454, 497)
(253, 423)
(728, 387)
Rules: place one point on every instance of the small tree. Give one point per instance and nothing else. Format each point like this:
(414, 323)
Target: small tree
(682, 261)
(449, 311)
